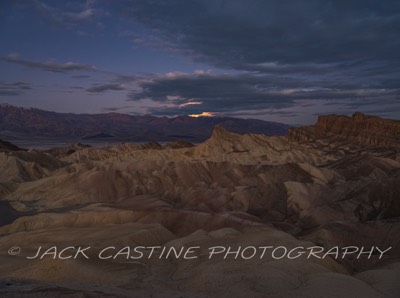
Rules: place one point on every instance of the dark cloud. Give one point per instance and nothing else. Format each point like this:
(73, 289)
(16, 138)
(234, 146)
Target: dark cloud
(21, 85)
(278, 52)
(49, 66)
(13, 88)
(105, 87)
(193, 94)
(216, 92)
(245, 33)
(80, 76)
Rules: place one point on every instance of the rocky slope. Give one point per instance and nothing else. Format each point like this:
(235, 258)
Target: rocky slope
(318, 186)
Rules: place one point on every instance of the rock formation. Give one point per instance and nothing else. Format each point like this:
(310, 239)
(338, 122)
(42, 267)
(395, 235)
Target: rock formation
(360, 128)
(334, 184)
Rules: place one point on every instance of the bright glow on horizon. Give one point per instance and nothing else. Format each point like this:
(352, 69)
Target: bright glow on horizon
(204, 114)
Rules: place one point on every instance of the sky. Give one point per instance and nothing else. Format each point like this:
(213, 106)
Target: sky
(284, 61)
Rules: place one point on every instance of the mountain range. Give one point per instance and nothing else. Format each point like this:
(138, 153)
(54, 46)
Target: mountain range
(31, 122)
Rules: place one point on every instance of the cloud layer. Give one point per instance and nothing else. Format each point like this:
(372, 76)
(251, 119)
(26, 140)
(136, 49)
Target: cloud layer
(244, 58)
(105, 87)
(243, 34)
(276, 53)
(14, 88)
(233, 94)
(48, 66)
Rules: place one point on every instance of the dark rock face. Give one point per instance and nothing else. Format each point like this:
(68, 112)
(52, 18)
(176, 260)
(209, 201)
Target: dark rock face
(7, 146)
(360, 128)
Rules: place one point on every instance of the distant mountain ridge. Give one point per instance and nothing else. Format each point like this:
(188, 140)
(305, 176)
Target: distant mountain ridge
(39, 123)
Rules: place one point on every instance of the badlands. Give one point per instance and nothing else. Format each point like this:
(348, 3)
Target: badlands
(332, 185)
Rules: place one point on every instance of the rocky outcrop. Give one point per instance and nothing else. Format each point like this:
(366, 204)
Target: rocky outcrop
(19, 166)
(360, 128)
(68, 150)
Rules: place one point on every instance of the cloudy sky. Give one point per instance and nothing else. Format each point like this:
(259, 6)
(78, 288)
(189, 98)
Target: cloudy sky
(284, 61)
